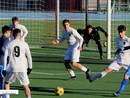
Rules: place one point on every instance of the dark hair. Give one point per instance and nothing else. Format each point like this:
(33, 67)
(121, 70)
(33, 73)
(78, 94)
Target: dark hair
(5, 28)
(16, 32)
(121, 28)
(65, 20)
(14, 18)
(89, 26)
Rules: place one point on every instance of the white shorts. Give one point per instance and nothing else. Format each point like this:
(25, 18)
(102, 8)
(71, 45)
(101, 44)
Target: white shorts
(21, 76)
(117, 66)
(72, 55)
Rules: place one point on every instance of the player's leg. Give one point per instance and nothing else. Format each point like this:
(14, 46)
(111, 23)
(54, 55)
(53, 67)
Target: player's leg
(27, 91)
(24, 81)
(124, 83)
(113, 66)
(74, 62)
(69, 69)
(67, 59)
(97, 40)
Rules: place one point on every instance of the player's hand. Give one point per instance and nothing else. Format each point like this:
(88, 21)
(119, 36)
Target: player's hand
(106, 34)
(80, 48)
(118, 51)
(29, 71)
(4, 72)
(55, 42)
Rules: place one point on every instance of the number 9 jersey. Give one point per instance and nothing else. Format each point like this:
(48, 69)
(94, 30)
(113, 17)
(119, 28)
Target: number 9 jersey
(19, 56)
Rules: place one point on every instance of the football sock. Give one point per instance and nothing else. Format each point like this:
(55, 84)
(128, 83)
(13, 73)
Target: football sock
(84, 69)
(28, 97)
(7, 96)
(100, 75)
(72, 73)
(123, 85)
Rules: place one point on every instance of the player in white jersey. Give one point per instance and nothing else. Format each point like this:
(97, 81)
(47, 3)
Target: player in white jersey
(20, 62)
(122, 59)
(4, 40)
(74, 40)
(16, 24)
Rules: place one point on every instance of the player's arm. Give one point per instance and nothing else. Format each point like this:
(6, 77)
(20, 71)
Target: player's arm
(80, 38)
(29, 59)
(122, 49)
(25, 32)
(5, 61)
(56, 41)
(102, 30)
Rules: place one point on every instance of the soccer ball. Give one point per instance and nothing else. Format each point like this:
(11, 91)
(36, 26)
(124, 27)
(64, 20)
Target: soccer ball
(59, 91)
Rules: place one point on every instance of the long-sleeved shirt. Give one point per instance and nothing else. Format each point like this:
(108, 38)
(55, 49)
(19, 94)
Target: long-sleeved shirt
(23, 29)
(19, 56)
(72, 37)
(124, 56)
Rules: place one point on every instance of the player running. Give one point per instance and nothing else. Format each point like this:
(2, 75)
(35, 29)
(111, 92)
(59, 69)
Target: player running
(20, 63)
(72, 55)
(15, 24)
(4, 40)
(126, 75)
(121, 60)
(92, 33)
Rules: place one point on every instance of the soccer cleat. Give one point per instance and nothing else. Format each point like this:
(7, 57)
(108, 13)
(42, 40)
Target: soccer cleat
(72, 78)
(101, 57)
(116, 94)
(90, 79)
(88, 73)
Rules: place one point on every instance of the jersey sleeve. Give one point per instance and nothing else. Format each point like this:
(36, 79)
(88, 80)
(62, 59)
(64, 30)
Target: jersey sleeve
(5, 58)
(25, 32)
(62, 38)
(79, 37)
(29, 57)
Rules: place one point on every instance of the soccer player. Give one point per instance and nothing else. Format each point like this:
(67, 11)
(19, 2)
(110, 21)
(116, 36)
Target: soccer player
(126, 75)
(74, 40)
(92, 33)
(20, 63)
(4, 40)
(16, 24)
(121, 60)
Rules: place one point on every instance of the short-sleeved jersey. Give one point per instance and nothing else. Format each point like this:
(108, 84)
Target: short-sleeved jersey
(124, 56)
(72, 37)
(23, 29)
(19, 56)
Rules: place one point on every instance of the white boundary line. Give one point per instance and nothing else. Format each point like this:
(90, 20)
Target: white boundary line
(60, 74)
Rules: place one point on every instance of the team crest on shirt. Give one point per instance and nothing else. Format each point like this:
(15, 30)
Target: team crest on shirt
(124, 43)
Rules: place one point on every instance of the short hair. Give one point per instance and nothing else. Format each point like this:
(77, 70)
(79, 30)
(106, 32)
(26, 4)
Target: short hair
(65, 20)
(89, 26)
(15, 19)
(16, 32)
(5, 28)
(121, 28)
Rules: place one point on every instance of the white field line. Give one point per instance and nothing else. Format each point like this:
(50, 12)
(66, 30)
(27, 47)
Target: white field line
(60, 55)
(60, 74)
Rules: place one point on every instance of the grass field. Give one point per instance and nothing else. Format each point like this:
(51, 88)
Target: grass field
(49, 72)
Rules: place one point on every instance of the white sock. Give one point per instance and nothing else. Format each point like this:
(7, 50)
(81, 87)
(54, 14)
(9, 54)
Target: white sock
(84, 69)
(7, 96)
(103, 73)
(72, 73)
(28, 97)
